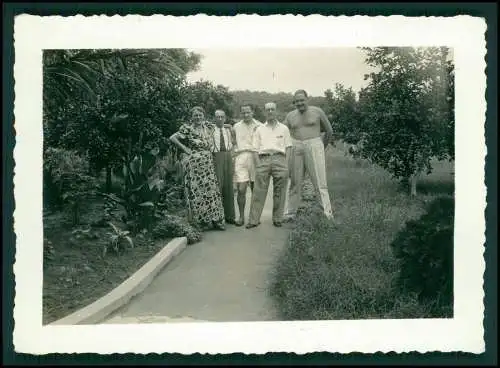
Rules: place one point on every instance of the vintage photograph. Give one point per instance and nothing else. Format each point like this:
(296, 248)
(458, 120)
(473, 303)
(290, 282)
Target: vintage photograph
(180, 178)
(308, 184)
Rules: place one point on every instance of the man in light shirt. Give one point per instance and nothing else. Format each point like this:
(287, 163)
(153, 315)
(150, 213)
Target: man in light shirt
(223, 162)
(244, 169)
(272, 146)
(308, 153)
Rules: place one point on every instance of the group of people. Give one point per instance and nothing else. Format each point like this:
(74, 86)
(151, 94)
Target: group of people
(217, 158)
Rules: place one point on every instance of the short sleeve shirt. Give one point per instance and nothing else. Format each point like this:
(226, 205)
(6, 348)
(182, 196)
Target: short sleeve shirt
(271, 139)
(244, 134)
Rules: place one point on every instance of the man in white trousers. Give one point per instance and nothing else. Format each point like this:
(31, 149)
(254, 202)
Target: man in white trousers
(308, 152)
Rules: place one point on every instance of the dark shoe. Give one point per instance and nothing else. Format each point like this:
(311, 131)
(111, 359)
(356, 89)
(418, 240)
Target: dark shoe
(277, 223)
(250, 226)
(231, 222)
(239, 223)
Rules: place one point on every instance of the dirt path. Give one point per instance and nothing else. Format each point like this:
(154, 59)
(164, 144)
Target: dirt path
(222, 278)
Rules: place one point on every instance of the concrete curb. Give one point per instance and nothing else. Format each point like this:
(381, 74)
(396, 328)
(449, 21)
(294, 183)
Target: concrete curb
(119, 296)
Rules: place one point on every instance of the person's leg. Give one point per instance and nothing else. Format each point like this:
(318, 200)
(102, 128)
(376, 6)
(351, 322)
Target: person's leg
(227, 188)
(241, 179)
(251, 171)
(316, 167)
(262, 176)
(296, 179)
(241, 199)
(280, 183)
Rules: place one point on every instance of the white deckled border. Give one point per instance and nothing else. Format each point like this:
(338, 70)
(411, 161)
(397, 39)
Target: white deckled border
(464, 332)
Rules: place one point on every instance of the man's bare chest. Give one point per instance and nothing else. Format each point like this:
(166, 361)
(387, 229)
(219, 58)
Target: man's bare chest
(306, 120)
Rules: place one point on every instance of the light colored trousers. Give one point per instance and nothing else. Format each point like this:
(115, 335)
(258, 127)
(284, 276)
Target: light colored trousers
(277, 167)
(308, 156)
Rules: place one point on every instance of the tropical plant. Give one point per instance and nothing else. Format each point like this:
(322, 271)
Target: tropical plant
(117, 239)
(142, 189)
(67, 71)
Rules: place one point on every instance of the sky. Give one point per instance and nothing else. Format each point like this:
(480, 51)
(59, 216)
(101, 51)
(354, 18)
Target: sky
(283, 70)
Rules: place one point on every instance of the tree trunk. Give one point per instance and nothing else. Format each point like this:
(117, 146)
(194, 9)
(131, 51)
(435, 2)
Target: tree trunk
(413, 185)
(76, 214)
(109, 182)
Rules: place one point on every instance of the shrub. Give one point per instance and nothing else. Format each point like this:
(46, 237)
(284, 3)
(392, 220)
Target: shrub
(67, 179)
(424, 248)
(117, 239)
(170, 226)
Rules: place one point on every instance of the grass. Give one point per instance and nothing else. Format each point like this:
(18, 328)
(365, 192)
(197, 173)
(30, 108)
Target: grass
(348, 271)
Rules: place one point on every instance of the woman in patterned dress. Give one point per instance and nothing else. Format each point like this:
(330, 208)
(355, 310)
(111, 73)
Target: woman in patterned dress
(204, 200)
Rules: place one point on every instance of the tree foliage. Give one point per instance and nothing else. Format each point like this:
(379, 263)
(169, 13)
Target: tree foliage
(120, 98)
(342, 108)
(210, 96)
(406, 111)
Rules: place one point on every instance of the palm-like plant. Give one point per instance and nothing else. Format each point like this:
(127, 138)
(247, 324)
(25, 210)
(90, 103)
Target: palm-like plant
(68, 72)
(116, 239)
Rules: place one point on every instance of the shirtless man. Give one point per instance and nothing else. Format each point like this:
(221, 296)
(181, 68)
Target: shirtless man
(308, 152)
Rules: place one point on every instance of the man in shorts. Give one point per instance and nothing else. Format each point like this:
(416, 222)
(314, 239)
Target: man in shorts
(244, 168)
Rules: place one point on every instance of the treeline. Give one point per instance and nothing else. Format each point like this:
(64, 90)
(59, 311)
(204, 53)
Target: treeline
(284, 102)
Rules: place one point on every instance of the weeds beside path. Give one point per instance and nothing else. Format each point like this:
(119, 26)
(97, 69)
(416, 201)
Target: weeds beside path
(347, 271)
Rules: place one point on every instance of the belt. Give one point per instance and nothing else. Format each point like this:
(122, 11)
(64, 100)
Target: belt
(271, 154)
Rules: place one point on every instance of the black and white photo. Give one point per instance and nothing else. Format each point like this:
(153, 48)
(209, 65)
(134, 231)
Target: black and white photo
(298, 187)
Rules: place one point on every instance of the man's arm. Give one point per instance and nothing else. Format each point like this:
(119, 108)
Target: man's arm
(256, 146)
(288, 150)
(287, 120)
(326, 126)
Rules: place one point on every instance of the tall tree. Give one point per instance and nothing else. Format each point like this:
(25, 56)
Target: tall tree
(407, 109)
(106, 102)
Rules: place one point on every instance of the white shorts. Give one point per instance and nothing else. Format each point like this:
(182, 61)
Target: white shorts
(244, 168)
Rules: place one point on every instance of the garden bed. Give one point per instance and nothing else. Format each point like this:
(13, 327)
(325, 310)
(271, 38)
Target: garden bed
(76, 272)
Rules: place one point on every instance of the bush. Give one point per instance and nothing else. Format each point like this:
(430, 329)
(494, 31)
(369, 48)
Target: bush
(170, 226)
(67, 179)
(424, 248)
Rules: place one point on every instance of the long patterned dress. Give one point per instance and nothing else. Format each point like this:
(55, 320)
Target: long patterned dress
(200, 183)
